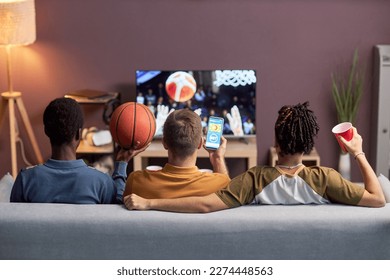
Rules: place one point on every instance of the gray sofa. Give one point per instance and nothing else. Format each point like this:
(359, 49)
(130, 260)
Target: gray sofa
(60, 231)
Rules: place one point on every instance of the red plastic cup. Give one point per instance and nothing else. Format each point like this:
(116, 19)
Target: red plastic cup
(344, 130)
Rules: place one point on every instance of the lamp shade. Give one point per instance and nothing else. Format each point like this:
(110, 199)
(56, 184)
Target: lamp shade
(17, 22)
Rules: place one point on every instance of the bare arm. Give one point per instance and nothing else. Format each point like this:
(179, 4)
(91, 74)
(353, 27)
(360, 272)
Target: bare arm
(217, 158)
(195, 204)
(373, 195)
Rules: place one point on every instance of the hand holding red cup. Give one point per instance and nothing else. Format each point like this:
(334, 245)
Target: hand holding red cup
(344, 130)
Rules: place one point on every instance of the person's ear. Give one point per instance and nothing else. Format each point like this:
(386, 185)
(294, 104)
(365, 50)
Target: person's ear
(200, 143)
(277, 148)
(276, 144)
(164, 144)
(78, 134)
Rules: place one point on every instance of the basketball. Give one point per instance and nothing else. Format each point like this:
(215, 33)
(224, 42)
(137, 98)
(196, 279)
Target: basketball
(180, 86)
(132, 122)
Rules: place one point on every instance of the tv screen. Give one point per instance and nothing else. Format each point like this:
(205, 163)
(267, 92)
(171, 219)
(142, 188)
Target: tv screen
(221, 93)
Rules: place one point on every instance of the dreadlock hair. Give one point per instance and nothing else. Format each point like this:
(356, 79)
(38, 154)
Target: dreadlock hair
(295, 129)
(62, 120)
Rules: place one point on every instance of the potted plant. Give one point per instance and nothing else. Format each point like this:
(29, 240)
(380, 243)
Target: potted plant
(347, 90)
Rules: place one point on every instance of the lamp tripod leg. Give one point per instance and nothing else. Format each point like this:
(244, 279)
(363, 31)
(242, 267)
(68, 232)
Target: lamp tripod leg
(3, 105)
(14, 162)
(29, 129)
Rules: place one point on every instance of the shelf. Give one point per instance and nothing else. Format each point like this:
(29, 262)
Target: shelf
(110, 100)
(88, 96)
(85, 148)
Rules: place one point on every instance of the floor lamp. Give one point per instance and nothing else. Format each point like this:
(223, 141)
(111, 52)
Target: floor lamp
(17, 28)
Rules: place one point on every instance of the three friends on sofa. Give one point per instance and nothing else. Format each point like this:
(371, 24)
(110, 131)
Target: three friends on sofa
(180, 186)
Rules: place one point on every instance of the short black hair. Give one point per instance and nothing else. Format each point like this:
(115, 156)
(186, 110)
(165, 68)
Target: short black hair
(295, 129)
(62, 120)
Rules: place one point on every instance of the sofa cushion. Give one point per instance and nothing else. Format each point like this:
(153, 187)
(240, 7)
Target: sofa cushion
(385, 184)
(6, 184)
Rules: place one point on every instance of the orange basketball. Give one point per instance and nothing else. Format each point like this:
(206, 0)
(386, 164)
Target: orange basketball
(132, 122)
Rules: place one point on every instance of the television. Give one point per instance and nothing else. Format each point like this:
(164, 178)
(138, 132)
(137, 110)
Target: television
(217, 92)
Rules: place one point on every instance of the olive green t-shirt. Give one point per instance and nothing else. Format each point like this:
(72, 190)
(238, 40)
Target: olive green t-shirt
(308, 185)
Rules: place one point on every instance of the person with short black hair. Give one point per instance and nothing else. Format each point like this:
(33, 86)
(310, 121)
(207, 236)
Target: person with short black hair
(63, 178)
(180, 177)
(289, 182)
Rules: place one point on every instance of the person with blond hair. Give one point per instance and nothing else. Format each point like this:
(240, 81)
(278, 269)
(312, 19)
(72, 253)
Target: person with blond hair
(180, 177)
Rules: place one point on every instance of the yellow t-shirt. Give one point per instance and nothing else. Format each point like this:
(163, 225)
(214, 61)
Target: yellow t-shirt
(174, 182)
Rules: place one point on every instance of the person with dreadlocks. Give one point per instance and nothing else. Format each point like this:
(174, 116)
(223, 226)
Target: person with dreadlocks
(289, 182)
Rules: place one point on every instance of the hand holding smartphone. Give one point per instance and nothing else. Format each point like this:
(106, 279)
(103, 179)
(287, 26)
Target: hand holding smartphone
(214, 133)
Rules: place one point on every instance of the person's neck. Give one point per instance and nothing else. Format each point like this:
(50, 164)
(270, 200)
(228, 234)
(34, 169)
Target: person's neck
(63, 152)
(189, 161)
(290, 161)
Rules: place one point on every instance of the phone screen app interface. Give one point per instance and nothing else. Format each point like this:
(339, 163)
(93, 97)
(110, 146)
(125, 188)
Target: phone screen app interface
(214, 133)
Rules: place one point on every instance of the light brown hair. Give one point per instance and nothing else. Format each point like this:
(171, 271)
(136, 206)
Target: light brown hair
(182, 132)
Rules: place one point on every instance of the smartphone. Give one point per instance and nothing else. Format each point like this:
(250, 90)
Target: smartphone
(214, 133)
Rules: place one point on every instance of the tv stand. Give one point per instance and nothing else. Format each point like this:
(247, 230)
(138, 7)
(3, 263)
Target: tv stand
(243, 140)
(236, 148)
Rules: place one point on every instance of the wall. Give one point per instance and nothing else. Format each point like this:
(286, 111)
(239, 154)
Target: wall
(293, 44)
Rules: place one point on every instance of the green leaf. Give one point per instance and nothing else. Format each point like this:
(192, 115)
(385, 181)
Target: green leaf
(347, 90)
